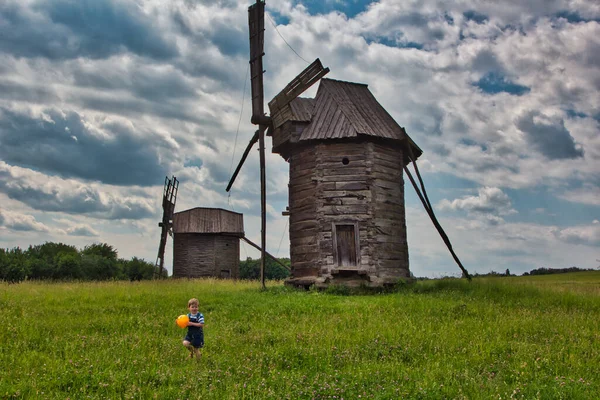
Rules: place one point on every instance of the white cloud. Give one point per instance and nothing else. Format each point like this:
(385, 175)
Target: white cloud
(16, 221)
(490, 200)
(584, 234)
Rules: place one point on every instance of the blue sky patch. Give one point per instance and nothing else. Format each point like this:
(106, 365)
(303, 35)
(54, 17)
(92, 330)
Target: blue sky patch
(278, 18)
(386, 41)
(575, 114)
(350, 8)
(493, 83)
(439, 186)
(540, 206)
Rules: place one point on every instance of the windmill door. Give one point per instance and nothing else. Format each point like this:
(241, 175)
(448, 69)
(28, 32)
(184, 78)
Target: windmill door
(346, 245)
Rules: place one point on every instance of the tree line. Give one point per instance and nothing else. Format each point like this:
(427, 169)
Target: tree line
(59, 261)
(100, 262)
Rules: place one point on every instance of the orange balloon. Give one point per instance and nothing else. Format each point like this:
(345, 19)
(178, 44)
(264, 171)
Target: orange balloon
(182, 321)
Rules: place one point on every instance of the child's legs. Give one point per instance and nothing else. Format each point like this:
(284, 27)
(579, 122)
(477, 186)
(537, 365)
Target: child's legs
(188, 345)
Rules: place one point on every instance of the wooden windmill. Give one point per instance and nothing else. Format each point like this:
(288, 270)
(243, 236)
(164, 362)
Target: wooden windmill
(279, 105)
(346, 158)
(168, 206)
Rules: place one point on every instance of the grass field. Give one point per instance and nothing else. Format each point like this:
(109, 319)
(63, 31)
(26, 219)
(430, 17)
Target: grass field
(497, 338)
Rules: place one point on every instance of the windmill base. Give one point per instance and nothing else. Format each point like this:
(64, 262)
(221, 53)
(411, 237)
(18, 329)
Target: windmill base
(350, 278)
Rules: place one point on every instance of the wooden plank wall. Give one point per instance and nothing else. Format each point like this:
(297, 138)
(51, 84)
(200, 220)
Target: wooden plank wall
(368, 190)
(389, 215)
(344, 196)
(197, 255)
(304, 250)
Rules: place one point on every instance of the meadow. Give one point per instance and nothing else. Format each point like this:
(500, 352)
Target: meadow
(494, 338)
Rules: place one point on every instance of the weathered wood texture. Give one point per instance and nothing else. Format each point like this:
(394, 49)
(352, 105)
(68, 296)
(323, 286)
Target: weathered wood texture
(198, 255)
(347, 216)
(348, 110)
(303, 223)
(208, 220)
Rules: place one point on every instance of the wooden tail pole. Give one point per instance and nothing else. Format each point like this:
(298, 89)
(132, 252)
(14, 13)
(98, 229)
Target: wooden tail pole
(433, 218)
(258, 248)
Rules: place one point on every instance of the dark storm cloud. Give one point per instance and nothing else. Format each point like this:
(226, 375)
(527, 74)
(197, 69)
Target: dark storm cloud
(230, 40)
(486, 61)
(130, 107)
(63, 29)
(226, 73)
(475, 16)
(146, 83)
(28, 93)
(71, 199)
(429, 122)
(549, 137)
(65, 146)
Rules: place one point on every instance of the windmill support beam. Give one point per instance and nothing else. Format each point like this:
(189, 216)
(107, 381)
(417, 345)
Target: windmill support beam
(427, 205)
(246, 152)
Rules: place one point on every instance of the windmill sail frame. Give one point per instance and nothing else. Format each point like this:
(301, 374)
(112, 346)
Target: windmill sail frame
(168, 205)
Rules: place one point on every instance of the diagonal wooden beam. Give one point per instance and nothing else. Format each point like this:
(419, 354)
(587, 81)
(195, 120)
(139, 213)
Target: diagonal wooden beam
(267, 253)
(246, 152)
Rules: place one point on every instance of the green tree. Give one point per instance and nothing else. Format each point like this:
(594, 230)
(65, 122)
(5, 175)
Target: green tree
(14, 267)
(68, 266)
(48, 255)
(3, 264)
(138, 269)
(98, 268)
(40, 268)
(100, 249)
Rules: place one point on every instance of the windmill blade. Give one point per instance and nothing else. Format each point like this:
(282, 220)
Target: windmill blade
(246, 152)
(295, 88)
(256, 24)
(168, 205)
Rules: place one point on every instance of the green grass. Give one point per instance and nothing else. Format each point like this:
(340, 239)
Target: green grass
(514, 337)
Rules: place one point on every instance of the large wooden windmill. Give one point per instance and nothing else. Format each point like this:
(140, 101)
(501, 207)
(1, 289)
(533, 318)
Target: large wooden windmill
(346, 158)
(168, 205)
(279, 105)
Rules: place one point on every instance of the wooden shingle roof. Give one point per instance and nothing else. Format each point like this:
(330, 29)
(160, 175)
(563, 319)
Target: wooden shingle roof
(302, 109)
(348, 110)
(208, 220)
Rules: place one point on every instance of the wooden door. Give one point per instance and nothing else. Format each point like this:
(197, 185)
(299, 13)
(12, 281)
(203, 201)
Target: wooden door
(346, 245)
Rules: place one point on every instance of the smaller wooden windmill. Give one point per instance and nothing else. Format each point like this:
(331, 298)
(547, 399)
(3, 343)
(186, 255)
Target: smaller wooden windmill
(168, 206)
(308, 77)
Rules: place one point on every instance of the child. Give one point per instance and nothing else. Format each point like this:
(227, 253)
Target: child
(194, 339)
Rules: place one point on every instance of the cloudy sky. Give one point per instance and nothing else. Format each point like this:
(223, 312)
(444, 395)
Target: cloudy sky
(101, 99)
